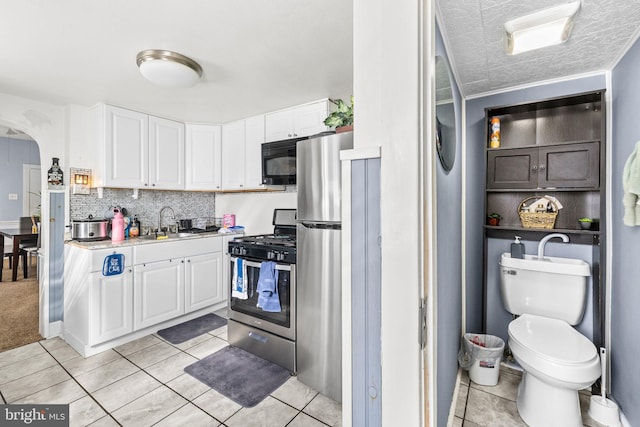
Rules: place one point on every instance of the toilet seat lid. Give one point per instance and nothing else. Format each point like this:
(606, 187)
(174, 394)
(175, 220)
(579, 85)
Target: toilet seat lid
(552, 339)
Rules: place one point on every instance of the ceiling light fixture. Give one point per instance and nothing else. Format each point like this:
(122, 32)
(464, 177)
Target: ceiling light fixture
(544, 28)
(168, 69)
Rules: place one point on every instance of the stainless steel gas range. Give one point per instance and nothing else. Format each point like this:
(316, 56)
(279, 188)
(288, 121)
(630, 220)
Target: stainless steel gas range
(262, 320)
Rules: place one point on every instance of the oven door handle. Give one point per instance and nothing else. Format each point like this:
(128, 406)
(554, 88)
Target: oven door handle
(282, 267)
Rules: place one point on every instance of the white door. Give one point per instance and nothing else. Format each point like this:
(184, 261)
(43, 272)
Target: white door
(204, 149)
(111, 299)
(203, 281)
(127, 148)
(309, 119)
(233, 156)
(31, 188)
(279, 125)
(166, 154)
(253, 140)
(158, 293)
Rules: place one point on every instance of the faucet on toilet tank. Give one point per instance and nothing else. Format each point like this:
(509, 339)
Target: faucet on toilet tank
(548, 237)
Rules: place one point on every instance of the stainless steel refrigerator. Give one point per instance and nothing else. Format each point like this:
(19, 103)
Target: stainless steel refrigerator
(319, 328)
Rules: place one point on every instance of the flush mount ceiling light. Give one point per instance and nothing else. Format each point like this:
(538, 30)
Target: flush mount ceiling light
(544, 28)
(168, 69)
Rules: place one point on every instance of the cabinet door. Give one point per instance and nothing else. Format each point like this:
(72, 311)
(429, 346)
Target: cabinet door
(166, 154)
(111, 300)
(512, 168)
(309, 119)
(575, 165)
(279, 125)
(127, 148)
(253, 140)
(203, 281)
(204, 152)
(158, 292)
(232, 165)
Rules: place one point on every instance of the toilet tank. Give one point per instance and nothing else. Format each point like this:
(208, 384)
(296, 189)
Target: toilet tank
(553, 287)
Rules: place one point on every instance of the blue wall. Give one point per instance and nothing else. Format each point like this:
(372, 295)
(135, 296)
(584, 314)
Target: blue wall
(625, 275)
(13, 154)
(475, 185)
(449, 266)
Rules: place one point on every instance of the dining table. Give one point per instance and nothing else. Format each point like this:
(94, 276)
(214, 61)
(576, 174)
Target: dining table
(17, 235)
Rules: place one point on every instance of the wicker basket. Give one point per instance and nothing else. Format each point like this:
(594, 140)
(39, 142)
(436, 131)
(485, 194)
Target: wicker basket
(545, 220)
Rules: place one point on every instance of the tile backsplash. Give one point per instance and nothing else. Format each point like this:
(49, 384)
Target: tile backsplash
(186, 204)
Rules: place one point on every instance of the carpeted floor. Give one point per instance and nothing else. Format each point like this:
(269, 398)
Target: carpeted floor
(18, 308)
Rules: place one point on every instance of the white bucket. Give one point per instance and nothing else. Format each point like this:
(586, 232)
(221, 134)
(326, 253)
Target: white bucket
(485, 372)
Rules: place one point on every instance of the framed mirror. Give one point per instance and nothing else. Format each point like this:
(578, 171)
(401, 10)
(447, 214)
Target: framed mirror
(445, 137)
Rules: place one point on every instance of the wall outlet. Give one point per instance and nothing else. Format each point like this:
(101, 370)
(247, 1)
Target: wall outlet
(13, 196)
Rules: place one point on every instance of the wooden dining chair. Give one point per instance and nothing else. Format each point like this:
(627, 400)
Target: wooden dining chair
(9, 254)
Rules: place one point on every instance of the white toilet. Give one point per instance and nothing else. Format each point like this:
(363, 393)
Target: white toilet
(549, 295)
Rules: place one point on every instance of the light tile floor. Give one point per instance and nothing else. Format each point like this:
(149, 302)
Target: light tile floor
(495, 406)
(142, 383)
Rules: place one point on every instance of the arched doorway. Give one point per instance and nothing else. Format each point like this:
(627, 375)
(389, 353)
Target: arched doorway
(20, 178)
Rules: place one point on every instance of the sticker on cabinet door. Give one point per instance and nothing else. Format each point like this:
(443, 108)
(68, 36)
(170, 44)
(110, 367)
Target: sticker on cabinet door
(113, 264)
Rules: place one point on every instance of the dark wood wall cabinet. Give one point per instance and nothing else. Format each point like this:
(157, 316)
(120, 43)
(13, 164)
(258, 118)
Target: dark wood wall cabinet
(552, 147)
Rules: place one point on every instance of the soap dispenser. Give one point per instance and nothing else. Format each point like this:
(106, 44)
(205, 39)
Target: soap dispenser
(517, 248)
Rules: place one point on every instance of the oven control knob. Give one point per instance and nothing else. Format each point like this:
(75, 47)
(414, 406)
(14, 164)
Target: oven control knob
(243, 251)
(271, 255)
(280, 256)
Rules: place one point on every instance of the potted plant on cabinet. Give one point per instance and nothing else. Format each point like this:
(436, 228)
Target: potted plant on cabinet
(342, 117)
(494, 219)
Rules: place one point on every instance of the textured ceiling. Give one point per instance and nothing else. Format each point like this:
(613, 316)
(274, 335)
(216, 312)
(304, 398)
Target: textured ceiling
(473, 30)
(257, 55)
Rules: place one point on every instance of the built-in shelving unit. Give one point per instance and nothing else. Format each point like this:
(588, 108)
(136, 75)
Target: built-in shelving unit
(552, 147)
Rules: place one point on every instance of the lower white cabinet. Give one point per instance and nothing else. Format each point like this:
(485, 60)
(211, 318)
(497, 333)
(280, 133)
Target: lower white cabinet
(203, 275)
(111, 306)
(158, 293)
(152, 291)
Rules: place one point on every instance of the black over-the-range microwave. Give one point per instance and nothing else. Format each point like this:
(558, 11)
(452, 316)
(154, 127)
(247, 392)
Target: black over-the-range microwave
(279, 162)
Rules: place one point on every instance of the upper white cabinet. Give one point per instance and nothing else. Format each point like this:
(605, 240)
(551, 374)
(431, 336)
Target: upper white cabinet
(232, 164)
(126, 148)
(203, 152)
(304, 120)
(241, 163)
(140, 151)
(253, 140)
(166, 154)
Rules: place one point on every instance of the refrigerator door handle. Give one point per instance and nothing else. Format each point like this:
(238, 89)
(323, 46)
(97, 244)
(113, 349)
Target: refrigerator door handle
(322, 225)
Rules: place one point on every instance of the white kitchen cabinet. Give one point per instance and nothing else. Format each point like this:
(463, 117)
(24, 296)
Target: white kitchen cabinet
(158, 293)
(203, 157)
(166, 154)
(139, 151)
(253, 139)
(203, 275)
(163, 283)
(97, 308)
(232, 164)
(300, 121)
(111, 303)
(126, 148)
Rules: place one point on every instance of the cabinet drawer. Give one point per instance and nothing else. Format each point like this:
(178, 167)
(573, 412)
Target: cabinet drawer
(97, 257)
(176, 249)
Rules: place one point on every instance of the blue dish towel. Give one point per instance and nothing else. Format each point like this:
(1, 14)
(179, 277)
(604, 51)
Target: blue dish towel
(238, 284)
(268, 298)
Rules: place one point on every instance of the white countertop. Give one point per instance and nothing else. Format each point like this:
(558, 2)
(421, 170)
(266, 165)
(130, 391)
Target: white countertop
(106, 244)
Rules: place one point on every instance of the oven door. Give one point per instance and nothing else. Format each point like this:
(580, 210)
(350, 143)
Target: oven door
(282, 323)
